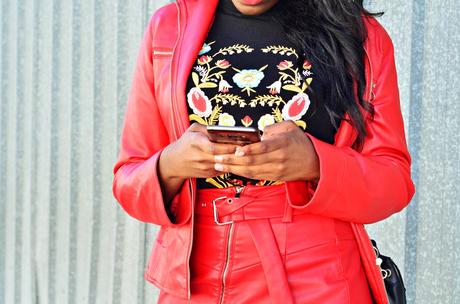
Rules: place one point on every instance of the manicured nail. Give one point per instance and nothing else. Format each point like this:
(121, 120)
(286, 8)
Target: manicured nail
(218, 167)
(238, 152)
(218, 158)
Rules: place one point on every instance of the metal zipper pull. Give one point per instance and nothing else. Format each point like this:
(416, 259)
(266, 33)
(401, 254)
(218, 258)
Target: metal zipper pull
(239, 189)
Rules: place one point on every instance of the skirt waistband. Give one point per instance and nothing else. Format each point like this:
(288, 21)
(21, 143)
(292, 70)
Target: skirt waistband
(236, 204)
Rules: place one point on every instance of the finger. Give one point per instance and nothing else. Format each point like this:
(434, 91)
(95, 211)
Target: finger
(197, 127)
(202, 143)
(253, 172)
(270, 144)
(273, 157)
(279, 127)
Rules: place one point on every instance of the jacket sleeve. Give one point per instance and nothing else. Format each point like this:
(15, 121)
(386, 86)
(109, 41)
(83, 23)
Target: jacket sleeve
(136, 183)
(372, 184)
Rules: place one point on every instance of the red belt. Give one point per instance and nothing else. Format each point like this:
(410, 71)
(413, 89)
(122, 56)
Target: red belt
(255, 205)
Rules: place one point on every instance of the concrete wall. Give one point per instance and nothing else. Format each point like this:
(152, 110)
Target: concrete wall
(66, 68)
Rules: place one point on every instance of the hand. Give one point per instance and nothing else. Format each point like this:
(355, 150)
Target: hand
(284, 154)
(192, 155)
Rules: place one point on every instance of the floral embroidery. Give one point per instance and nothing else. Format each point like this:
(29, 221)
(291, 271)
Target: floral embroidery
(285, 64)
(266, 99)
(275, 88)
(264, 121)
(247, 121)
(248, 79)
(217, 73)
(205, 48)
(223, 64)
(295, 108)
(237, 48)
(199, 102)
(282, 50)
(224, 86)
(226, 119)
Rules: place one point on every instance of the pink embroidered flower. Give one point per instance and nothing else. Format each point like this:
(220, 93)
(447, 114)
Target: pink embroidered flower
(199, 102)
(296, 107)
(246, 121)
(285, 64)
(306, 65)
(275, 88)
(204, 59)
(224, 86)
(223, 64)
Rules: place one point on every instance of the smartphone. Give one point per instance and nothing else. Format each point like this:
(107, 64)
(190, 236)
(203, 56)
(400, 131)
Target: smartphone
(233, 135)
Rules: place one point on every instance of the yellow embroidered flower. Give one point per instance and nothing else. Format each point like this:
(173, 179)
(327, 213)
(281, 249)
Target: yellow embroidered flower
(226, 119)
(265, 120)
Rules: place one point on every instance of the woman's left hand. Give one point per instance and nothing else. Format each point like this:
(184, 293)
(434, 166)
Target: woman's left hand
(284, 154)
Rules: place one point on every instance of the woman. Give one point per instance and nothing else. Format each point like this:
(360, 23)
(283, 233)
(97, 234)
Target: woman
(281, 220)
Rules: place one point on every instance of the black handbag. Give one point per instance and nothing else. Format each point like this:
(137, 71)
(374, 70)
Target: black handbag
(394, 285)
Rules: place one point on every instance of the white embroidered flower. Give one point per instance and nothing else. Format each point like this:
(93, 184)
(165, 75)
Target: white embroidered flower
(296, 107)
(226, 119)
(264, 121)
(199, 102)
(224, 86)
(275, 88)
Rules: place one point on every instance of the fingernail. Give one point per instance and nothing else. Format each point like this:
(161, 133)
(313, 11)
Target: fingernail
(218, 158)
(218, 167)
(238, 152)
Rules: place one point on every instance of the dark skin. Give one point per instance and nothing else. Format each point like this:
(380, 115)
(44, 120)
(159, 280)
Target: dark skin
(284, 154)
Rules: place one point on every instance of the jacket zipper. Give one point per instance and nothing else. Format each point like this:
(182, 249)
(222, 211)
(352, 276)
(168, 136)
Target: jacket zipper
(239, 190)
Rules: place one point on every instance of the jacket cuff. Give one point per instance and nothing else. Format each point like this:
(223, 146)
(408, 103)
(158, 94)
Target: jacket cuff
(137, 188)
(174, 211)
(317, 197)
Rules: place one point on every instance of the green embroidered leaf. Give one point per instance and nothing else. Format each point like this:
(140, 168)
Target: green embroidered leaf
(207, 85)
(196, 78)
(293, 88)
(214, 115)
(304, 86)
(301, 124)
(277, 113)
(263, 68)
(194, 117)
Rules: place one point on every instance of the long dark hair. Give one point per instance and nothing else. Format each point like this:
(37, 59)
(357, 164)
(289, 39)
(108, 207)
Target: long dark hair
(331, 33)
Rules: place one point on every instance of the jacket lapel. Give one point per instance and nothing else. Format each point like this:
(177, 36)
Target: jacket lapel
(195, 20)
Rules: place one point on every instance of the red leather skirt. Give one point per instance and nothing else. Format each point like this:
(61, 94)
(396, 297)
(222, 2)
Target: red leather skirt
(250, 247)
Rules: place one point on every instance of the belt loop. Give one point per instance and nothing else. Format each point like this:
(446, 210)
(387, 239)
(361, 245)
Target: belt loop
(287, 217)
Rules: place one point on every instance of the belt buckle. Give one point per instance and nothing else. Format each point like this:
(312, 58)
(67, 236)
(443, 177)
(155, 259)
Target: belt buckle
(216, 215)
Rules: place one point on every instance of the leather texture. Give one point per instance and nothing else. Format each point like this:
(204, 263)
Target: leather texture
(276, 255)
(359, 186)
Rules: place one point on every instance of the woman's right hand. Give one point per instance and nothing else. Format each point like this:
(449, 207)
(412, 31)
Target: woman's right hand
(192, 155)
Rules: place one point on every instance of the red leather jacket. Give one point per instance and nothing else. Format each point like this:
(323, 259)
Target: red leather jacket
(361, 187)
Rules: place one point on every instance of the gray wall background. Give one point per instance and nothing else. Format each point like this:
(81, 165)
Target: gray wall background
(66, 68)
